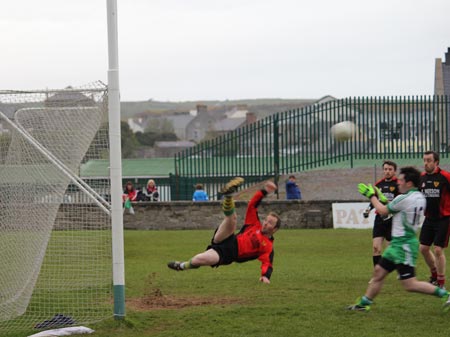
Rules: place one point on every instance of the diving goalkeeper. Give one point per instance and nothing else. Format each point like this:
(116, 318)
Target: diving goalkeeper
(254, 240)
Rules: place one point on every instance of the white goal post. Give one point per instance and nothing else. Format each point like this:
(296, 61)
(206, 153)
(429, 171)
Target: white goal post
(61, 238)
(115, 162)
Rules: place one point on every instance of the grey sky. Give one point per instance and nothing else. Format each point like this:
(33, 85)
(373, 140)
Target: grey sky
(205, 49)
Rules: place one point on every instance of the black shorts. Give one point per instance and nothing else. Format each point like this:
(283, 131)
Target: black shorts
(382, 228)
(227, 250)
(404, 272)
(435, 232)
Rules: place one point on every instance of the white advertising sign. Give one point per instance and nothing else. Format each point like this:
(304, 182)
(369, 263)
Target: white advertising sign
(350, 215)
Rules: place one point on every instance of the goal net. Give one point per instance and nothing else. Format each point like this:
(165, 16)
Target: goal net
(55, 230)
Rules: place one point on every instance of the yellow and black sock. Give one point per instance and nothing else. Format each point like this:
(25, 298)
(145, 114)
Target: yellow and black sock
(188, 265)
(228, 205)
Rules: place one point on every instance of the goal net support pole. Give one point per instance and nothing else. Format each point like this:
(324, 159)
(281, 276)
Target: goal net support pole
(115, 163)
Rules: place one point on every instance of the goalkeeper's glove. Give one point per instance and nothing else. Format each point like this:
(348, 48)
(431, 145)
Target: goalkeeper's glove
(381, 196)
(366, 190)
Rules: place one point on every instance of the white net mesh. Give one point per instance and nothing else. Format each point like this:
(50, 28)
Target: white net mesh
(55, 238)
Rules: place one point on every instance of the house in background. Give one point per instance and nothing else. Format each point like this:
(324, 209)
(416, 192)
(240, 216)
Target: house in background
(137, 124)
(442, 75)
(211, 123)
(202, 124)
(205, 122)
(69, 99)
(179, 121)
(234, 121)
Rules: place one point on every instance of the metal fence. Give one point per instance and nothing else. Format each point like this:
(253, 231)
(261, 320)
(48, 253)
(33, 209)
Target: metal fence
(300, 139)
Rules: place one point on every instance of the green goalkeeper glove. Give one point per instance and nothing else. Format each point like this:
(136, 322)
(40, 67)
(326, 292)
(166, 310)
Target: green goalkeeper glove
(366, 190)
(381, 196)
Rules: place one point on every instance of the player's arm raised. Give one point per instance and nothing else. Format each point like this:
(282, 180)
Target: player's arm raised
(375, 196)
(251, 216)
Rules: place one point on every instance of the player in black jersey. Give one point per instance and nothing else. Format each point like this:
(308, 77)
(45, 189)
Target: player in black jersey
(435, 184)
(382, 227)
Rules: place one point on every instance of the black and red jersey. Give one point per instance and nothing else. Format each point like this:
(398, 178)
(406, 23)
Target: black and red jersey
(388, 187)
(436, 188)
(252, 243)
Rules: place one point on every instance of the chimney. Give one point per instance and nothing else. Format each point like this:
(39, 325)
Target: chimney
(202, 109)
(250, 118)
(447, 57)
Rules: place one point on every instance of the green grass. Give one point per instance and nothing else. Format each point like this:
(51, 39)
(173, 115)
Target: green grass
(317, 273)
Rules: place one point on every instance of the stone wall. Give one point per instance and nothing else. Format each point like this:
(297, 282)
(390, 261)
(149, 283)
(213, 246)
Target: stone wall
(208, 215)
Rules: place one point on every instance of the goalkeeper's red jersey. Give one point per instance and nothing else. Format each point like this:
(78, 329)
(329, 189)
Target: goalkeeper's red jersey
(252, 244)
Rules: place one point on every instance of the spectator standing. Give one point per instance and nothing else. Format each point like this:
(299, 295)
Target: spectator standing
(292, 190)
(199, 194)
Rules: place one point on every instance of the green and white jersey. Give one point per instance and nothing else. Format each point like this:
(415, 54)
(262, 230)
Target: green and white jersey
(408, 214)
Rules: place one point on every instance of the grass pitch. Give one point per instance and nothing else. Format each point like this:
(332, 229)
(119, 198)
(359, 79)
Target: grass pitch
(317, 273)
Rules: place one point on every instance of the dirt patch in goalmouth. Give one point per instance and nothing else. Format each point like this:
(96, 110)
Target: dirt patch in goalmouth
(157, 301)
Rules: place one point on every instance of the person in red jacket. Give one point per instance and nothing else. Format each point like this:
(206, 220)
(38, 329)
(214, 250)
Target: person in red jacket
(129, 193)
(254, 240)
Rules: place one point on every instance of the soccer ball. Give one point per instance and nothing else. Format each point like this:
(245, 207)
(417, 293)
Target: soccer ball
(343, 131)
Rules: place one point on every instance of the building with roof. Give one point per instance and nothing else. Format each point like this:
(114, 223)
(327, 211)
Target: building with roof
(202, 124)
(442, 87)
(442, 75)
(69, 98)
(216, 122)
(178, 121)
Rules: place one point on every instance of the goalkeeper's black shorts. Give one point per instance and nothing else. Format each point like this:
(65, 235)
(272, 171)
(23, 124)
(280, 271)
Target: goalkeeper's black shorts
(227, 250)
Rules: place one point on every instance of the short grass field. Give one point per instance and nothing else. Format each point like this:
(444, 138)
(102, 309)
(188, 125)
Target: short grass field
(317, 273)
